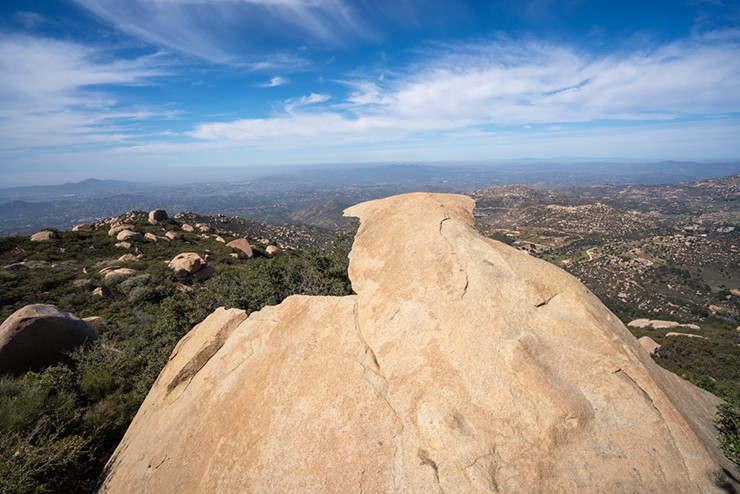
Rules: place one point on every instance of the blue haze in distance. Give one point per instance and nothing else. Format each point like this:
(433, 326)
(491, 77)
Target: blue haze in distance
(140, 89)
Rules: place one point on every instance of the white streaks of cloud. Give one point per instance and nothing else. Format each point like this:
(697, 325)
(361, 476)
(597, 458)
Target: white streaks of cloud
(503, 85)
(50, 93)
(226, 30)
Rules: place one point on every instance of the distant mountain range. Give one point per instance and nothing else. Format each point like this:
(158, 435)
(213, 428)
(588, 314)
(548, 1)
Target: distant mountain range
(317, 196)
(91, 186)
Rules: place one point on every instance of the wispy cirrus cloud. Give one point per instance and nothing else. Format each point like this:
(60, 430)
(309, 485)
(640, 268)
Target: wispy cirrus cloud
(227, 30)
(52, 93)
(505, 84)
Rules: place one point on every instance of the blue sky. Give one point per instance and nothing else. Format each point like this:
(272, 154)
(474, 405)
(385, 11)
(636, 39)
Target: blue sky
(135, 88)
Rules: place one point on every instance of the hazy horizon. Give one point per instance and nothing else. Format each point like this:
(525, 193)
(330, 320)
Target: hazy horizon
(164, 177)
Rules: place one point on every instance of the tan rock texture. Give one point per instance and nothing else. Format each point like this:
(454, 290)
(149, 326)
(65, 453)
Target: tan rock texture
(461, 365)
(84, 227)
(186, 263)
(129, 235)
(116, 229)
(241, 245)
(40, 335)
(43, 236)
(649, 344)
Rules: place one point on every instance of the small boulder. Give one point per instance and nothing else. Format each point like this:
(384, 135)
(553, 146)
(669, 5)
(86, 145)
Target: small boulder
(186, 263)
(40, 335)
(187, 228)
(116, 229)
(172, 235)
(129, 236)
(129, 258)
(241, 245)
(648, 344)
(219, 238)
(44, 236)
(157, 216)
(116, 271)
(151, 237)
(685, 334)
(84, 227)
(100, 292)
(123, 245)
(272, 250)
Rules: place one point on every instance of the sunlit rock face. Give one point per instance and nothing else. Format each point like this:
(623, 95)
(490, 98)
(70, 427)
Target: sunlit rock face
(460, 365)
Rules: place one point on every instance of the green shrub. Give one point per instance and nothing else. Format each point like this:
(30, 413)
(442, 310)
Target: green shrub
(728, 424)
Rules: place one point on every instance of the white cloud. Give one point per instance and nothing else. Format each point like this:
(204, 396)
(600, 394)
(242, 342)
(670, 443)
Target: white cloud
(50, 93)
(276, 81)
(506, 84)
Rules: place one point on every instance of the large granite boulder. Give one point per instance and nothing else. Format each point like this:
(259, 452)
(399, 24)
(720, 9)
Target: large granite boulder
(242, 248)
(40, 335)
(157, 216)
(460, 365)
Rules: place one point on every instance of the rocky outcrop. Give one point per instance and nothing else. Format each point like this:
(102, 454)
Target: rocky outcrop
(44, 236)
(460, 365)
(658, 324)
(38, 336)
(689, 335)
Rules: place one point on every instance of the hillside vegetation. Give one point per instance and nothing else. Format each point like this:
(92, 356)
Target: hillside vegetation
(58, 427)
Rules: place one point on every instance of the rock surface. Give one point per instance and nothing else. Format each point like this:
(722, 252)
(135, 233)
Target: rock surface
(242, 248)
(116, 229)
(689, 335)
(157, 216)
(84, 227)
(43, 236)
(38, 336)
(461, 365)
(129, 235)
(117, 271)
(649, 344)
(658, 324)
(190, 266)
